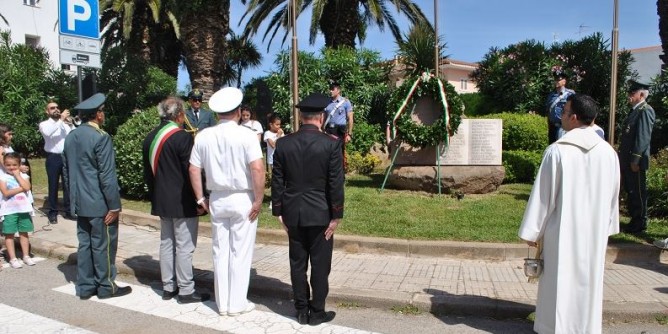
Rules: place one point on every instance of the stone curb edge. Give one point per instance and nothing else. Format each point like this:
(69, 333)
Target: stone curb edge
(425, 302)
(485, 251)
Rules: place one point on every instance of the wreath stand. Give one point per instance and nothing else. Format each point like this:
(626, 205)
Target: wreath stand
(426, 77)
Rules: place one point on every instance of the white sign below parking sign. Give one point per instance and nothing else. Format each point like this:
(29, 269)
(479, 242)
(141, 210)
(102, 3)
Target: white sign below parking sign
(80, 59)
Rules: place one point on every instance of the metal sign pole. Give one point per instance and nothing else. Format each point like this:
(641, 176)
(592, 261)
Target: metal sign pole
(79, 85)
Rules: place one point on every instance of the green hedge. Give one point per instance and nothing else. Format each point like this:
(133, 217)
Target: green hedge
(128, 144)
(525, 132)
(364, 136)
(521, 166)
(657, 185)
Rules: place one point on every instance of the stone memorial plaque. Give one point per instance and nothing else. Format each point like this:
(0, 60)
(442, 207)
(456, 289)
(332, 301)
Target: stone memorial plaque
(477, 142)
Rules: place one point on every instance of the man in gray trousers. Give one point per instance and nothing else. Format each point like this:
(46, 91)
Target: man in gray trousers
(166, 154)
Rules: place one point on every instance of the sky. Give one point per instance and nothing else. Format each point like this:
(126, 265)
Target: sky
(471, 27)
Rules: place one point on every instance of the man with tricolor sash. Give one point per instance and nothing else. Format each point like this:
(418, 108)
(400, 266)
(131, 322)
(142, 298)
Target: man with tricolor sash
(166, 151)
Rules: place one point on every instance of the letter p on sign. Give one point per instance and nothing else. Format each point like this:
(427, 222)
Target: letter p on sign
(79, 18)
(77, 10)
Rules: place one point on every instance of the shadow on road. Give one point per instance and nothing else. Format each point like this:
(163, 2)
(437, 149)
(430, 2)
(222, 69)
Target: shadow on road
(467, 310)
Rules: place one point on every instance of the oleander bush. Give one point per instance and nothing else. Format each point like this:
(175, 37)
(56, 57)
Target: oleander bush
(521, 166)
(362, 164)
(364, 136)
(657, 185)
(526, 132)
(128, 145)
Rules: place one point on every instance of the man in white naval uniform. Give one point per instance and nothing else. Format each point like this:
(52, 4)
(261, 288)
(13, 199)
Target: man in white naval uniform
(572, 210)
(231, 156)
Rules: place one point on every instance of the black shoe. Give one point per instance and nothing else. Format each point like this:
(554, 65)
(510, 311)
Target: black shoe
(302, 318)
(87, 296)
(321, 317)
(70, 217)
(167, 295)
(193, 298)
(53, 220)
(119, 292)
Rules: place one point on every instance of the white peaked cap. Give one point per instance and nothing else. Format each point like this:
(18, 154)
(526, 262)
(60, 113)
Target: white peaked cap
(226, 100)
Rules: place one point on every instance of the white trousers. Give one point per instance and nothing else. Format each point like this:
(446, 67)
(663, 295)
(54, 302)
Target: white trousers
(233, 243)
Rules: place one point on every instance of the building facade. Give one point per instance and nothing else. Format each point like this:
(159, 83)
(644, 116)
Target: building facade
(34, 23)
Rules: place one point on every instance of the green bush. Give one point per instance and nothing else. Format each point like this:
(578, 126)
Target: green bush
(26, 81)
(360, 164)
(521, 166)
(524, 132)
(657, 185)
(364, 136)
(128, 144)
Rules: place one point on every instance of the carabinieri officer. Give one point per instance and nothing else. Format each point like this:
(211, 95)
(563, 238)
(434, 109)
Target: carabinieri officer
(90, 171)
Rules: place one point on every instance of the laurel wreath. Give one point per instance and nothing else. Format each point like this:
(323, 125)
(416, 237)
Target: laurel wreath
(419, 135)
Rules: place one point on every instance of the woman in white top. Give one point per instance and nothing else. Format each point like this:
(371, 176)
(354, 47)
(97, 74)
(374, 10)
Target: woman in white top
(248, 120)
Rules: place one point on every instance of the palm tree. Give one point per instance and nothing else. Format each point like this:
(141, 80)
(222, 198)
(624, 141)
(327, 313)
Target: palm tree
(662, 10)
(340, 21)
(4, 19)
(416, 50)
(145, 28)
(242, 54)
(167, 31)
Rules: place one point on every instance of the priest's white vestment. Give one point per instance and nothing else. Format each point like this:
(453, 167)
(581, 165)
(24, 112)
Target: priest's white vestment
(572, 210)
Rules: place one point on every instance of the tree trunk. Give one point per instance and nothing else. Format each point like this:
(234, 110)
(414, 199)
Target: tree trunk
(662, 10)
(203, 34)
(340, 23)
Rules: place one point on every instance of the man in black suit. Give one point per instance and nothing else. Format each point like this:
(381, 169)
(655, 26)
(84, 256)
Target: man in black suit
(166, 155)
(307, 197)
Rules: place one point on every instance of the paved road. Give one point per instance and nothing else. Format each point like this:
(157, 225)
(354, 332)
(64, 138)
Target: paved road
(41, 299)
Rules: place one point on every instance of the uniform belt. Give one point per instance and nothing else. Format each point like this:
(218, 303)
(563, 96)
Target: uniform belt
(48, 153)
(335, 125)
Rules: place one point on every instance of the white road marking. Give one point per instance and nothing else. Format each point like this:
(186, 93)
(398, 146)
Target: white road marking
(13, 320)
(149, 301)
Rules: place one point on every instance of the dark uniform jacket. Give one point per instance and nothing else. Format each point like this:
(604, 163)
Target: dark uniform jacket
(205, 120)
(636, 136)
(169, 189)
(90, 171)
(307, 178)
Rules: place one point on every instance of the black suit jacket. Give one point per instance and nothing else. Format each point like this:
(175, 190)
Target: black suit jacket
(307, 178)
(169, 189)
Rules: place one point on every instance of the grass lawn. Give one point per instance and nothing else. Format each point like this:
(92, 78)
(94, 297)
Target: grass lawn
(403, 214)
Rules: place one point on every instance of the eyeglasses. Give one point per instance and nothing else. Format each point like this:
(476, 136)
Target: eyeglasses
(196, 100)
(52, 108)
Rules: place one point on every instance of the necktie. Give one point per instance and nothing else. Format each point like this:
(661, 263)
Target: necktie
(196, 112)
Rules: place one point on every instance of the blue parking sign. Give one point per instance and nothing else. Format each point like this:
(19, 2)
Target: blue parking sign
(79, 18)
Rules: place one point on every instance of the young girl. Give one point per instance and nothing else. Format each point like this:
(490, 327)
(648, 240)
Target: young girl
(248, 120)
(271, 136)
(16, 209)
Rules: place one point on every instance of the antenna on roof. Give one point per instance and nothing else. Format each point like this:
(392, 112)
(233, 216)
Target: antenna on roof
(582, 29)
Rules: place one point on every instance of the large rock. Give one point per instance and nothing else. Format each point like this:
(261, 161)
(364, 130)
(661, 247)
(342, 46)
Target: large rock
(454, 179)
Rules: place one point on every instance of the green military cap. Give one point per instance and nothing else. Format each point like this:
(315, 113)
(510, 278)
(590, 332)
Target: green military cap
(195, 94)
(226, 100)
(91, 104)
(635, 86)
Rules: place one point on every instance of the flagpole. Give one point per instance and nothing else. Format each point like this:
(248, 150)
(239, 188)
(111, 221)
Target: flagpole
(295, 74)
(613, 74)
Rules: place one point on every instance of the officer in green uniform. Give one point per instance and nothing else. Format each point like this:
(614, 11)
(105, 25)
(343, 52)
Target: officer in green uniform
(90, 172)
(634, 155)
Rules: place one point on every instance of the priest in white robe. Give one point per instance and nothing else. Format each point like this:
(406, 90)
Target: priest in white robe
(572, 210)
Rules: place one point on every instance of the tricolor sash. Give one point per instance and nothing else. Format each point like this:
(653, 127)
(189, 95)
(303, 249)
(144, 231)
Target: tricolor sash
(159, 141)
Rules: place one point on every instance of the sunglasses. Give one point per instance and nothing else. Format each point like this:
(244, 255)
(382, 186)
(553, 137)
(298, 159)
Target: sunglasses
(196, 100)
(52, 108)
